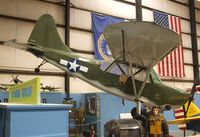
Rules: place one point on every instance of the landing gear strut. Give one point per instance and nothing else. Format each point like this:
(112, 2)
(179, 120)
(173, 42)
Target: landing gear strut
(37, 70)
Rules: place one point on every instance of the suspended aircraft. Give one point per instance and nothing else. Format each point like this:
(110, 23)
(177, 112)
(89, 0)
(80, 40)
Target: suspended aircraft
(188, 116)
(136, 48)
(15, 79)
(49, 88)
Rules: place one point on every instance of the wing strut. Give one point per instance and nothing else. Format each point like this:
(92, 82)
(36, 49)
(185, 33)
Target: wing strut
(148, 72)
(132, 76)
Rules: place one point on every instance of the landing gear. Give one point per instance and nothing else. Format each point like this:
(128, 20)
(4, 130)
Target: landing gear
(37, 70)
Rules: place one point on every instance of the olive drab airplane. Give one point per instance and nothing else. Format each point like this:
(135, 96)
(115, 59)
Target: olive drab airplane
(136, 48)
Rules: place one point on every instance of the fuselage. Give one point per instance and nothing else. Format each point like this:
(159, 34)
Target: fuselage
(90, 72)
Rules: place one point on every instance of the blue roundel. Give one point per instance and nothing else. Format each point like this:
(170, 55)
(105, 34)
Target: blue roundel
(73, 65)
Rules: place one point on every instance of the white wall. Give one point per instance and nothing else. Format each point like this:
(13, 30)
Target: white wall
(20, 30)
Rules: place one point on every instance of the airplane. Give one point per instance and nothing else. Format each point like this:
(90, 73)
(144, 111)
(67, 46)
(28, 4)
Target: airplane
(16, 80)
(187, 119)
(49, 88)
(136, 46)
(3, 88)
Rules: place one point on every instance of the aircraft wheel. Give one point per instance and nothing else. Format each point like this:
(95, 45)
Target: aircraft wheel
(37, 70)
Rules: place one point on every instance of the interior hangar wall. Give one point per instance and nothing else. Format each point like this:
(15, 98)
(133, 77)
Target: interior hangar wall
(11, 28)
(81, 37)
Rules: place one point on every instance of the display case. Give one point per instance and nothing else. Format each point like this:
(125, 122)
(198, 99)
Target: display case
(49, 120)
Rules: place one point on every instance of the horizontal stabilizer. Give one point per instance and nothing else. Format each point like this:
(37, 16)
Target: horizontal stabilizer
(183, 120)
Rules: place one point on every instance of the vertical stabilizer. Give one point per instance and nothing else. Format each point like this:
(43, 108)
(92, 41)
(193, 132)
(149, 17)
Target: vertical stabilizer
(192, 111)
(45, 34)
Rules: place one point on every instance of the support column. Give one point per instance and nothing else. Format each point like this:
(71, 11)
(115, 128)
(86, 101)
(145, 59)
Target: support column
(138, 7)
(194, 40)
(67, 41)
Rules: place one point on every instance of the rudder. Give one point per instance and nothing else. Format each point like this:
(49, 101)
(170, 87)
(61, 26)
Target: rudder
(46, 35)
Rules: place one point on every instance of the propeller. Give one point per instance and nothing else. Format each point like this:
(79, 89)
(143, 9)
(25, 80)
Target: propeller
(194, 87)
(15, 79)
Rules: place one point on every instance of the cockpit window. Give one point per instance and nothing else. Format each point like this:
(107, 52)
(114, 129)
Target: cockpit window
(119, 69)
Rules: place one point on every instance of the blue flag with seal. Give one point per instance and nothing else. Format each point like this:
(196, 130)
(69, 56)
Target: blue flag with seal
(99, 23)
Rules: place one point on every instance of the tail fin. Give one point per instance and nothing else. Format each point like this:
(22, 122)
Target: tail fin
(45, 34)
(192, 111)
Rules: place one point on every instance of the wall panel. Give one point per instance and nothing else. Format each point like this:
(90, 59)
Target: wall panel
(186, 41)
(7, 57)
(156, 4)
(168, 6)
(197, 15)
(199, 57)
(147, 15)
(182, 85)
(183, 1)
(189, 72)
(104, 6)
(82, 87)
(81, 40)
(8, 29)
(197, 4)
(176, 9)
(55, 10)
(198, 42)
(86, 56)
(80, 19)
(25, 60)
(198, 29)
(8, 7)
(185, 26)
(188, 56)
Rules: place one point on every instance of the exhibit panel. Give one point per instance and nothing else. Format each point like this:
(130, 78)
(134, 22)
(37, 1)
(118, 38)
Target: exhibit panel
(40, 120)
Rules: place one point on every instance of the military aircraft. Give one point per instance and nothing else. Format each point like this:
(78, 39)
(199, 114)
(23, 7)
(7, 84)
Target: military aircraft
(16, 80)
(188, 119)
(136, 47)
(49, 88)
(3, 87)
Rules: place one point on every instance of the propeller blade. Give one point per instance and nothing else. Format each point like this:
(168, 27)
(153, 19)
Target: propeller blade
(192, 93)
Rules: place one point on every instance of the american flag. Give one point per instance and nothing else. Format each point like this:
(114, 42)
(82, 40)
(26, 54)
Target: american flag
(180, 113)
(173, 64)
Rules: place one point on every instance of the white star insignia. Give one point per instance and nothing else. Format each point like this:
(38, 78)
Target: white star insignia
(73, 65)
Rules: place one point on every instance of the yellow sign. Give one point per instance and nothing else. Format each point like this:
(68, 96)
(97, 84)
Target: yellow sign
(26, 92)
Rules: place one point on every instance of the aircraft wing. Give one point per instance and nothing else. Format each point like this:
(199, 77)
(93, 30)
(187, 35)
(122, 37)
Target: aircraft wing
(146, 42)
(183, 120)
